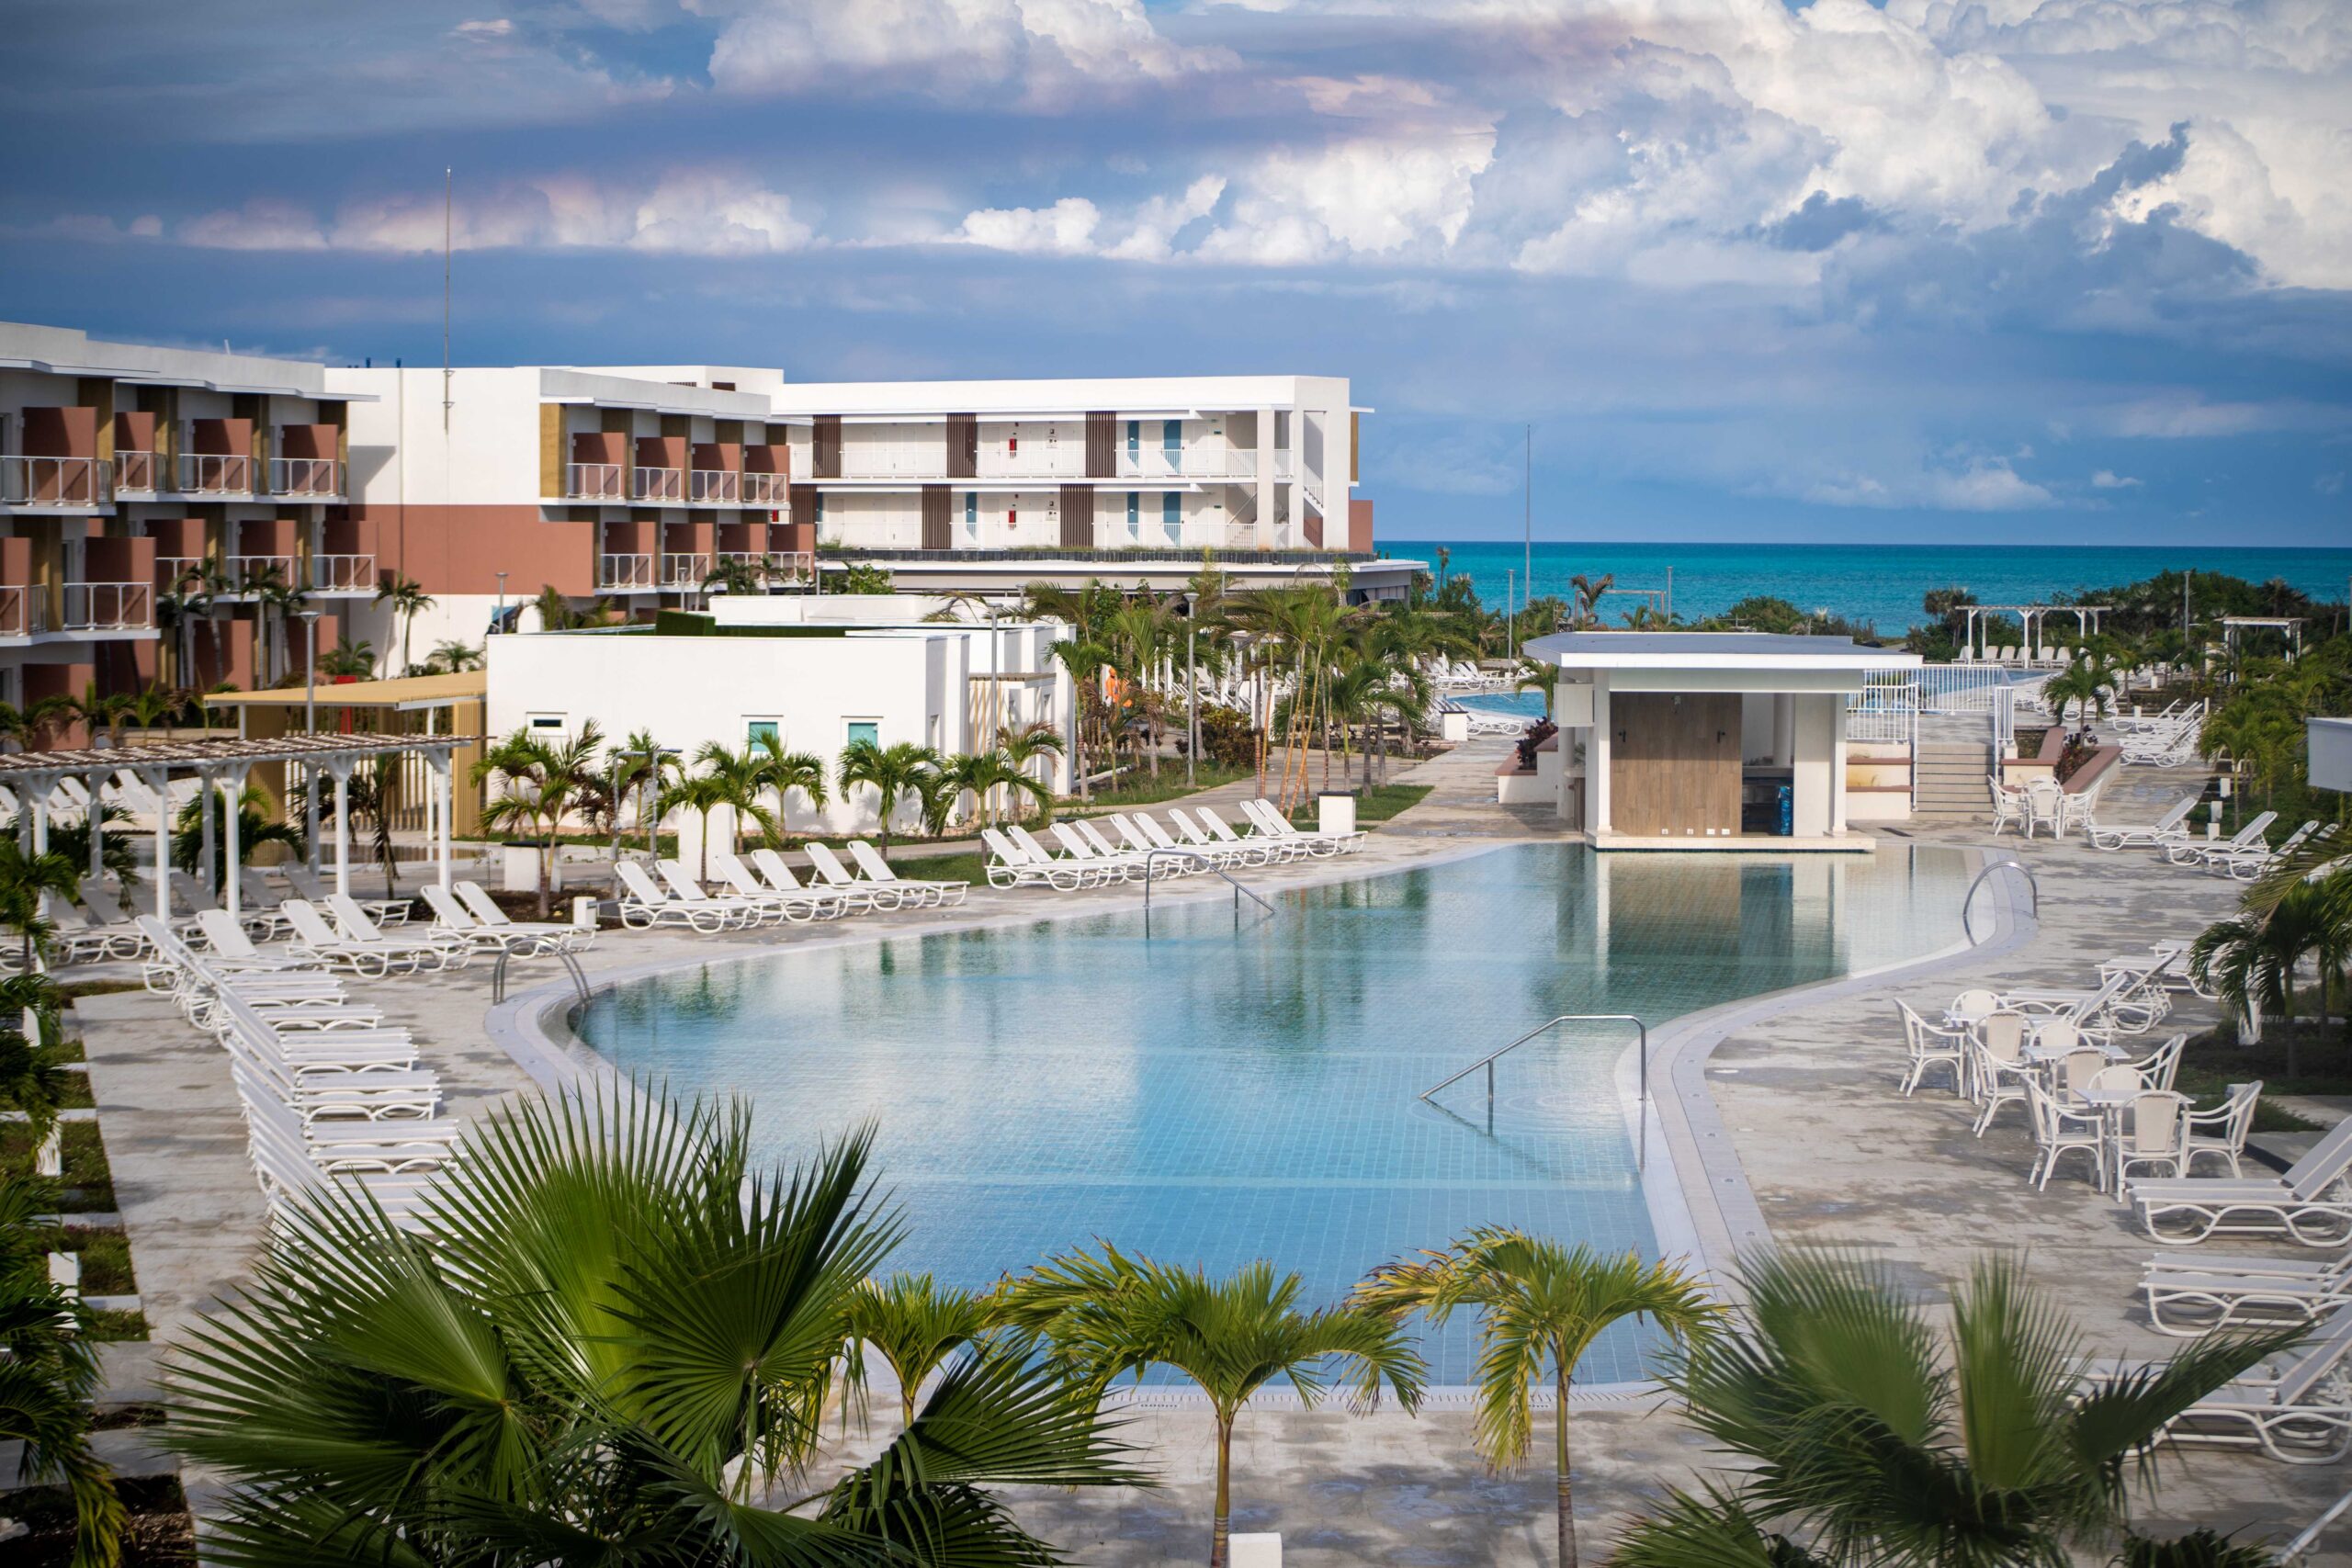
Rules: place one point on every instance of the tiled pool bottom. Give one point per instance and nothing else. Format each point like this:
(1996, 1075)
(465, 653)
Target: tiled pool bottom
(1216, 1094)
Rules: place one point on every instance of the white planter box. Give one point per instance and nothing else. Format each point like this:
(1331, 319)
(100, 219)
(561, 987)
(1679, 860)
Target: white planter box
(1335, 813)
(519, 868)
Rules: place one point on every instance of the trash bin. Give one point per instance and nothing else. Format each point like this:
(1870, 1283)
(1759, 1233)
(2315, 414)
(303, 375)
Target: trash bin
(1335, 813)
(1784, 810)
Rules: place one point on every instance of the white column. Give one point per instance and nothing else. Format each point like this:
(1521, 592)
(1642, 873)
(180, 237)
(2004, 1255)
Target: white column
(1837, 764)
(1265, 529)
(445, 786)
(341, 770)
(232, 790)
(207, 808)
(1595, 759)
(97, 831)
(160, 780)
(40, 803)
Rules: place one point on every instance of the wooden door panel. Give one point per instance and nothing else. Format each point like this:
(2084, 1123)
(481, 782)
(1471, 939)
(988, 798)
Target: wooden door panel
(1677, 764)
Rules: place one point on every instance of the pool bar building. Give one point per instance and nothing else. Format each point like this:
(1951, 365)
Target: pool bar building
(1708, 740)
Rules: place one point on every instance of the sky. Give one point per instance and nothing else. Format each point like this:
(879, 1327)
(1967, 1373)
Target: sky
(1941, 271)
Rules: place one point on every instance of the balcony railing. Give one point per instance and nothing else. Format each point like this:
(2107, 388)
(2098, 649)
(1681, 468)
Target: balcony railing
(596, 481)
(20, 610)
(172, 573)
(767, 490)
(249, 574)
(658, 484)
(139, 473)
(343, 574)
(774, 566)
(305, 477)
(109, 606)
(208, 474)
(62, 482)
(624, 573)
(1190, 463)
(717, 487)
(684, 571)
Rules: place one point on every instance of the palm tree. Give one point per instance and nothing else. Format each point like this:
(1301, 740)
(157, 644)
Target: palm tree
(24, 877)
(2250, 962)
(608, 1338)
(1865, 1434)
(745, 777)
(49, 1373)
(1588, 591)
(915, 1326)
(70, 837)
(893, 772)
(2084, 682)
(1102, 1315)
(729, 575)
(1021, 749)
(372, 795)
(791, 770)
(1086, 663)
(33, 1075)
(454, 657)
(409, 600)
(211, 585)
(275, 597)
(255, 827)
(541, 778)
(1540, 1306)
(701, 794)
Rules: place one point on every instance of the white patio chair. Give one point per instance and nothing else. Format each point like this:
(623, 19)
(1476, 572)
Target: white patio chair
(1010, 865)
(1975, 1004)
(2221, 1133)
(776, 875)
(2154, 1133)
(1929, 1045)
(2165, 829)
(313, 938)
(2295, 1409)
(2057, 1133)
(2196, 851)
(798, 908)
(2044, 806)
(442, 949)
(687, 890)
(2009, 805)
(1091, 876)
(2160, 1066)
(2000, 1071)
(380, 911)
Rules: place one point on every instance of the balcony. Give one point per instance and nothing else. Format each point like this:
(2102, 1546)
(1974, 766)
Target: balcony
(1201, 462)
(625, 574)
(20, 610)
(767, 490)
(684, 571)
(66, 484)
(109, 607)
(594, 481)
(138, 473)
(306, 478)
(658, 484)
(178, 574)
(772, 565)
(343, 574)
(208, 474)
(250, 574)
(715, 487)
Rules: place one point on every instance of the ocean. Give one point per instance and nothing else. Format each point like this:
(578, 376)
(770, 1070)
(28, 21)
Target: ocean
(1879, 585)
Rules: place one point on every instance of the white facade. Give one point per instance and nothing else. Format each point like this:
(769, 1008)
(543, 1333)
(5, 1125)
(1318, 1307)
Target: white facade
(2330, 745)
(884, 675)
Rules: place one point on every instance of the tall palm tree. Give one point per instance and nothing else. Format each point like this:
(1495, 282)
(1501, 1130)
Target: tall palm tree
(49, 1373)
(915, 1326)
(2250, 962)
(1539, 675)
(2084, 682)
(788, 771)
(1023, 748)
(1104, 1314)
(1588, 591)
(256, 825)
(275, 600)
(702, 794)
(1866, 1434)
(25, 876)
(1086, 663)
(894, 772)
(541, 779)
(212, 586)
(409, 600)
(372, 794)
(607, 1338)
(1540, 1307)
(746, 778)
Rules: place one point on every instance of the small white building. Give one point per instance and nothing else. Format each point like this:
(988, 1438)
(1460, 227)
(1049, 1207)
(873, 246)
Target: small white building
(1708, 740)
(2330, 753)
(813, 674)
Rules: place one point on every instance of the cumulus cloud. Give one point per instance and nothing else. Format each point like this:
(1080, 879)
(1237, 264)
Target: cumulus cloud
(1047, 53)
(696, 211)
(1976, 484)
(2106, 479)
(1065, 229)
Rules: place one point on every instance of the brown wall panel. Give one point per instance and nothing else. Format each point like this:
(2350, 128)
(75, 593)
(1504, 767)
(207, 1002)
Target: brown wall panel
(1360, 526)
(963, 447)
(462, 550)
(1078, 517)
(1674, 763)
(1099, 441)
(825, 446)
(935, 525)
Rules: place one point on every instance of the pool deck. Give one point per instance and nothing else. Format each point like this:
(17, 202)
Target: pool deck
(1795, 1094)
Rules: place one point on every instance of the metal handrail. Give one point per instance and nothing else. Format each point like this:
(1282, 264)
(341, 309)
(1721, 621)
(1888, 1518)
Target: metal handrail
(1969, 897)
(1642, 1147)
(2297, 1549)
(1238, 891)
(498, 972)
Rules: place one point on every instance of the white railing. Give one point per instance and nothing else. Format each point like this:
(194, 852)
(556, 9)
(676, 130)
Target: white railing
(767, 489)
(1969, 688)
(55, 481)
(594, 481)
(249, 573)
(776, 566)
(305, 476)
(1205, 461)
(19, 611)
(109, 606)
(171, 572)
(141, 472)
(683, 570)
(719, 487)
(343, 574)
(658, 484)
(1885, 710)
(203, 473)
(626, 572)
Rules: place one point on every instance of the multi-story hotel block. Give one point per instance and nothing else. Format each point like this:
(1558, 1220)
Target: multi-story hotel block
(162, 506)
(154, 503)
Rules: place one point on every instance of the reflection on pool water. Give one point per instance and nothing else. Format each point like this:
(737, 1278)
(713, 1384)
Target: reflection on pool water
(1237, 1088)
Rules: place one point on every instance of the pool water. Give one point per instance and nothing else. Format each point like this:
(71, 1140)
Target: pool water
(1522, 705)
(1237, 1087)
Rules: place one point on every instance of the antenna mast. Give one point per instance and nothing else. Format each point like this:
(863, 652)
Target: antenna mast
(447, 230)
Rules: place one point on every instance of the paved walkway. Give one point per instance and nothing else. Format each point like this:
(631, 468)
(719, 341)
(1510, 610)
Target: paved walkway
(1804, 1098)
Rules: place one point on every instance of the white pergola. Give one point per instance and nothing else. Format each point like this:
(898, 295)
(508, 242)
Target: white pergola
(2030, 617)
(2291, 626)
(222, 766)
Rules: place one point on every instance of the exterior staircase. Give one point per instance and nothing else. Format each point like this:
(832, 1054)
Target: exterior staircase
(1949, 780)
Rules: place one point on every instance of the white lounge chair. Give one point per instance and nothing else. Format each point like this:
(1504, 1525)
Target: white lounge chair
(259, 909)
(1281, 849)
(1109, 863)
(935, 892)
(2303, 1206)
(81, 934)
(380, 911)
(1010, 865)
(776, 875)
(858, 891)
(1092, 874)
(455, 919)
(442, 948)
(645, 903)
(477, 903)
(736, 878)
(685, 889)
(1236, 852)
(2164, 830)
(2197, 851)
(2295, 1409)
(313, 938)
(2189, 1302)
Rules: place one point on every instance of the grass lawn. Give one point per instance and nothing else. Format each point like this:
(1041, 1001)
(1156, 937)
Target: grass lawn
(941, 868)
(1377, 803)
(89, 1183)
(2323, 1067)
(1143, 791)
(105, 1260)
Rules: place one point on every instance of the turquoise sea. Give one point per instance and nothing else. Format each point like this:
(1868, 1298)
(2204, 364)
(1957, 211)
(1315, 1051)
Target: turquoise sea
(1882, 584)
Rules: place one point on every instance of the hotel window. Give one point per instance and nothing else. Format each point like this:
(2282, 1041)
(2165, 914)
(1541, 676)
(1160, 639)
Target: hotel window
(972, 512)
(1135, 439)
(545, 721)
(1171, 510)
(867, 730)
(1135, 513)
(767, 732)
(1171, 438)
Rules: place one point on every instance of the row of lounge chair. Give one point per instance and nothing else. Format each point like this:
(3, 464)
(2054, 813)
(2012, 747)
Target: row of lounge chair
(100, 926)
(2245, 856)
(1202, 839)
(772, 894)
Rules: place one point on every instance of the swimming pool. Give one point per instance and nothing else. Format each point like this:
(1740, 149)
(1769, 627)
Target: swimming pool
(1236, 1089)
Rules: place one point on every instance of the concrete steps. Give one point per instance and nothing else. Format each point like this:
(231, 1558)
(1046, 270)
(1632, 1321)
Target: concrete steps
(1949, 780)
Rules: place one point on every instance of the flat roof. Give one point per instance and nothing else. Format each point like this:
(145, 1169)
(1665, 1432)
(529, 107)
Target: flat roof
(401, 691)
(1713, 650)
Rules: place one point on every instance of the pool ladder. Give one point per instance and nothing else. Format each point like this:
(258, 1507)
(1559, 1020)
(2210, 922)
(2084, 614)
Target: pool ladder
(1641, 1148)
(1968, 899)
(1239, 892)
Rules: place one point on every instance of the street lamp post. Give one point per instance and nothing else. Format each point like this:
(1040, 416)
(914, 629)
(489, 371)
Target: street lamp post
(1192, 690)
(308, 616)
(500, 622)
